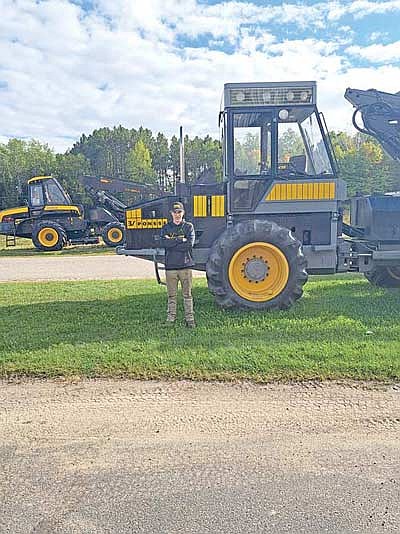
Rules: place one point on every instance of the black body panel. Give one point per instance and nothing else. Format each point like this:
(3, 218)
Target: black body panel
(308, 228)
(377, 216)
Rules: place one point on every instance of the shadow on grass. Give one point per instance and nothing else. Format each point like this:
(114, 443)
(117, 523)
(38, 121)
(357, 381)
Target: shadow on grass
(328, 312)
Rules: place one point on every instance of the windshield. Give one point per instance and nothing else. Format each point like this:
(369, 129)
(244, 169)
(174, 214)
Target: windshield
(301, 147)
(252, 143)
(54, 195)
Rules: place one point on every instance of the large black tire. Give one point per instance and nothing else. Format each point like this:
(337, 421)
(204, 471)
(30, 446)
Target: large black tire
(113, 234)
(48, 236)
(384, 276)
(243, 258)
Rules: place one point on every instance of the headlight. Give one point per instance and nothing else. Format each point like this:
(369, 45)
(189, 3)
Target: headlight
(283, 114)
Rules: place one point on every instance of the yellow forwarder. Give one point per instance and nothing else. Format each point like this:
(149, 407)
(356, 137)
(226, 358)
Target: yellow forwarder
(51, 219)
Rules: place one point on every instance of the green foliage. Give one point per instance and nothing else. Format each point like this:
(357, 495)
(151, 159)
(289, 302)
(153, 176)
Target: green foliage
(139, 165)
(121, 152)
(247, 154)
(290, 144)
(20, 160)
(69, 168)
(364, 165)
(117, 328)
(111, 153)
(202, 155)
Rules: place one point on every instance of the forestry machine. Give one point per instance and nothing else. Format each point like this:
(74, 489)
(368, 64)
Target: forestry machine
(52, 220)
(277, 215)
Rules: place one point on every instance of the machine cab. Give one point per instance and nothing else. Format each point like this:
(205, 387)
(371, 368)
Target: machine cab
(272, 132)
(46, 191)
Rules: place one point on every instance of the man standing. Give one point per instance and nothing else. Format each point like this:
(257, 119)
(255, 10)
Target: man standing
(177, 237)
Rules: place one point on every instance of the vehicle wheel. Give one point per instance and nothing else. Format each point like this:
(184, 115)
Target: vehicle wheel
(48, 236)
(256, 265)
(113, 234)
(384, 276)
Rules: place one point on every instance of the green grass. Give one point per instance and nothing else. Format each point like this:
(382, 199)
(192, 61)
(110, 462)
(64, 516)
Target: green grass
(24, 247)
(116, 328)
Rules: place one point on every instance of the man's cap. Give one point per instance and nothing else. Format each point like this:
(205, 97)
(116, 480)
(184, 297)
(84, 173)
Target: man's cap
(177, 206)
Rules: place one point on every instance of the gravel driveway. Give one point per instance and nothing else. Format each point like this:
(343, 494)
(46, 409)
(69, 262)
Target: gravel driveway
(75, 267)
(109, 456)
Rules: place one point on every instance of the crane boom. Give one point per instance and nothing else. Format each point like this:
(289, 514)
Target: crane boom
(380, 113)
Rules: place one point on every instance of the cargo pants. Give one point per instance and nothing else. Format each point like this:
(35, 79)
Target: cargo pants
(184, 276)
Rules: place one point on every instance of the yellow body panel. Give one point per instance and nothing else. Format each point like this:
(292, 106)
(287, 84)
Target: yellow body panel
(218, 206)
(37, 178)
(200, 206)
(302, 191)
(62, 208)
(12, 211)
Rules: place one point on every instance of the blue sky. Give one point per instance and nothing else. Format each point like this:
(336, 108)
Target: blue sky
(68, 67)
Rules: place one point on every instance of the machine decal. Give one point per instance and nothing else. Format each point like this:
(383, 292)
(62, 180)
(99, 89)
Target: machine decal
(205, 206)
(134, 221)
(200, 206)
(218, 206)
(302, 191)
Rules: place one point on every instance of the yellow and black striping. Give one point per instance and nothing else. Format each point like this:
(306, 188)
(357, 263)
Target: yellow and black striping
(206, 206)
(302, 191)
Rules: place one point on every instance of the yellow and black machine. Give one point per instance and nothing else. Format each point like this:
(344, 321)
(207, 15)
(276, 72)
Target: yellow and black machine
(52, 220)
(277, 214)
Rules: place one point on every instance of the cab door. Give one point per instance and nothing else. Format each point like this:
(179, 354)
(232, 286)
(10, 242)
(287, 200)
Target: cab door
(36, 199)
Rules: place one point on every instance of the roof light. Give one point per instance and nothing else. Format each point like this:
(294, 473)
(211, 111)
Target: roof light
(270, 94)
(240, 96)
(267, 97)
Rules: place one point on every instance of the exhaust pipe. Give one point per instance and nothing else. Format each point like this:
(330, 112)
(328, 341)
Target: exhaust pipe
(182, 155)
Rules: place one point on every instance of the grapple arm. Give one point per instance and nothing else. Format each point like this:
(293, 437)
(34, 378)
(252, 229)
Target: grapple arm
(380, 114)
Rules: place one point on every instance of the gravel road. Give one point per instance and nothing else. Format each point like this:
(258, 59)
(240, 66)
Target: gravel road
(109, 456)
(76, 267)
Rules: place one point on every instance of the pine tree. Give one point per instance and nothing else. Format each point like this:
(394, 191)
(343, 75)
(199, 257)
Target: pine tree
(139, 166)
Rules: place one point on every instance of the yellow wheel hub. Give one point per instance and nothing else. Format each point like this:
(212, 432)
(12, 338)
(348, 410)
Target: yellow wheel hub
(48, 237)
(258, 271)
(115, 235)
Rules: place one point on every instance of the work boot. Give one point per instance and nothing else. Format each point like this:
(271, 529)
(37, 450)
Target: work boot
(190, 324)
(170, 319)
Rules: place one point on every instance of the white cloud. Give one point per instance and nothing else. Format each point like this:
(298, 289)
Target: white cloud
(68, 71)
(361, 8)
(375, 36)
(377, 53)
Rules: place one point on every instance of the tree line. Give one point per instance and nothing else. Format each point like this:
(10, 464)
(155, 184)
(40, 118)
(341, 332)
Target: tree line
(142, 156)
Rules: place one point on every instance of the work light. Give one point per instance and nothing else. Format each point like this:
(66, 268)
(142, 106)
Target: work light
(269, 94)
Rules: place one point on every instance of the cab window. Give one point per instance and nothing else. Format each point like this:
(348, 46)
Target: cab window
(252, 143)
(36, 195)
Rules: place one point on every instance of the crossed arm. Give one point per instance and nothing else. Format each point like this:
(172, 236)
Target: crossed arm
(180, 242)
